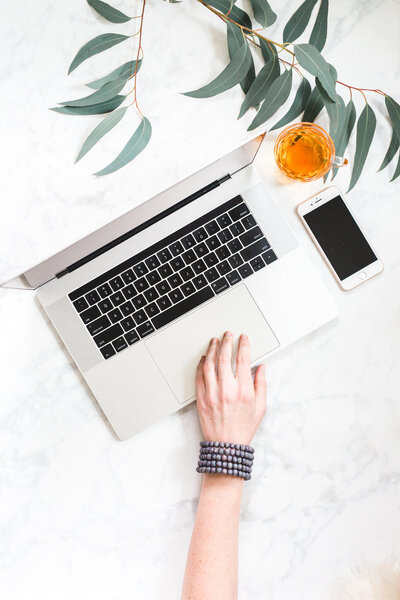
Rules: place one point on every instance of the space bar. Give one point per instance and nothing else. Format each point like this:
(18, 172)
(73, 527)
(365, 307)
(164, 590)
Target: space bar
(183, 307)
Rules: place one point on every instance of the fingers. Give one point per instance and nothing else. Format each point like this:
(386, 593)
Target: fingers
(225, 356)
(243, 371)
(209, 366)
(260, 388)
(200, 383)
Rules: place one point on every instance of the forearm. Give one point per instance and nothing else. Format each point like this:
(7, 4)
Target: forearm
(212, 564)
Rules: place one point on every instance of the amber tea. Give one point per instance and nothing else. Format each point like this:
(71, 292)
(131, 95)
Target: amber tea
(305, 152)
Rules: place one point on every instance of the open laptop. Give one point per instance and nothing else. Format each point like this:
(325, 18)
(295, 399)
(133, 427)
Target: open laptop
(137, 301)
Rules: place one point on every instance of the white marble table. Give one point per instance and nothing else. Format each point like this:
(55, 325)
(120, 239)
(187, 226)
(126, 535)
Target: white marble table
(80, 517)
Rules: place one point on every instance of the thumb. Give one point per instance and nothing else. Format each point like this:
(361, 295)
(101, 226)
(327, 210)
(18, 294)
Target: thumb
(260, 388)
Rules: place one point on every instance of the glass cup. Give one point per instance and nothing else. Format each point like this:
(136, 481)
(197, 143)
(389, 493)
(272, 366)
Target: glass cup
(305, 152)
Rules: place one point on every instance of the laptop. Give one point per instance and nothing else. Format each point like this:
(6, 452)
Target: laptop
(137, 301)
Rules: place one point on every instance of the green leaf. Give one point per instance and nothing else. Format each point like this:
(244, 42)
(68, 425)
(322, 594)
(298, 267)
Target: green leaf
(335, 110)
(397, 170)
(261, 84)
(100, 131)
(320, 29)
(135, 145)
(365, 132)
(345, 133)
(230, 76)
(312, 61)
(268, 50)
(236, 14)
(263, 13)
(125, 70)
(298, 21)
(94, 109)
(235, 40)
(299, 103)
(108, 12)
(313, 107)
(391, 151)
(108, 91)
(394, 113)
(98, 44)
(275, 97)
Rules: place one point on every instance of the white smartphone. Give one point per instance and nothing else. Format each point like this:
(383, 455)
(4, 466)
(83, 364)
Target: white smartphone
(339, 238)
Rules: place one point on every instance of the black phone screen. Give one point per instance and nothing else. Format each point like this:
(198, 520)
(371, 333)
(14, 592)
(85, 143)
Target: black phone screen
(340, 237)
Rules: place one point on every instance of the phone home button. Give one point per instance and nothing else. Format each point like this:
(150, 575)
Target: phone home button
(363, 275)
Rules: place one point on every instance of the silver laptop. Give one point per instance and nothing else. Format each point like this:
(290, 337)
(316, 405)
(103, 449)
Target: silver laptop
(137, 301)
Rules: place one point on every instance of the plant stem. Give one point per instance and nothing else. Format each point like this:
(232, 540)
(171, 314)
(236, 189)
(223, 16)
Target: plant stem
(139, 52)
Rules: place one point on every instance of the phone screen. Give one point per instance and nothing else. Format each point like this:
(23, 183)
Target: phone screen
(340, 237)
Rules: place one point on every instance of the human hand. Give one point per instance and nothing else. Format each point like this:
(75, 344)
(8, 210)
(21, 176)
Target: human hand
(230, 406)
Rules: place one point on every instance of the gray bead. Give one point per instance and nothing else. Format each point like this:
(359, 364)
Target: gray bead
(235, 472)
(219, 463)
(237, 446)
(219, 470)
(221, 451)
(234, 458)
(225, 472)
(232, 445)
(224, 457)
(229, 458)
(242, 447)
(239, 460)
(213, 470)
(208, 463)
(229, 471)
(216, 444)
(224, 464)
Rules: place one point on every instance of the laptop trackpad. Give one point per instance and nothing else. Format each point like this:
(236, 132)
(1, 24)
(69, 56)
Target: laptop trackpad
(178, 348)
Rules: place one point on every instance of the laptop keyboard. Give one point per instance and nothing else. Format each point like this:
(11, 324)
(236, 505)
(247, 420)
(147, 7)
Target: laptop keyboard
(172, 277)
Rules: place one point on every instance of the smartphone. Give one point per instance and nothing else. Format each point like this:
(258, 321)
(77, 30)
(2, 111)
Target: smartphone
(339, 238)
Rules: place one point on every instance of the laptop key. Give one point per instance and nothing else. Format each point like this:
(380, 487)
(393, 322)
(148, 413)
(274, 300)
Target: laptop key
(120, 344)
(151, 294)
(165, 271)
(239, 212)
(153, 277)
(152, 310)
(80, 304)
(255, 249)
(140, 317)
(212, 227)
(222, 252)
(224, 220)
(201, 249)
(175, 280)
(139, 301)
(245, 270)
(115, 315)
(141, 284)
(107, 351)
(128, 276)
(269, 256)
(235, 261)
(200, 234)
(233, 277)
(164, 303)
(224, 267)
(177, 263)
(116, 283)
(249, 222)
(163, 287)
(92, 297)
(199, 266)
(129, 291)
(128, 323)
(183, 307)
(140, 269)
(90, 314)
(189, 257)
(212, 274)
(200, 281)
(105, 305)
(175, 296)
(176, 248)
(188, 241)
(187, 273)
(220, 285)
(188, 288)
(224, 235)
(213, 242)
(164, 255)
(108, 335)
(235, 245)
(98, 325)
(117, 298)
(211, 259)
(236, 229)
(127, 308)
(257, 263)
(132, 337)
(152, 262)
(104, 290)
(145, 329)
(251, 236)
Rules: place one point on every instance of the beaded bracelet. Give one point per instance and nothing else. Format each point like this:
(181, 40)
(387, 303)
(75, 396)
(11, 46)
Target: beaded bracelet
(226, 458)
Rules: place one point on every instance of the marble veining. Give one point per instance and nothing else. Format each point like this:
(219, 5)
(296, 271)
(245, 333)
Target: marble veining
(79, 515)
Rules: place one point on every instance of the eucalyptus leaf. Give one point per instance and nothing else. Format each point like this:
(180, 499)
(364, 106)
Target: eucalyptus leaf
(336, 112)
(261, 84)
(274, 99)
(299, 104)
(397, 170)
(313, 107)
(391, 151)
(345, 133)
(263, 12)
(236, 14)
(312, 61)
(320, 29)
(98, 44)
(126, 70)
(235, 40)
(268, 50)
(230, 76)
(108, 12)
(94, 109)
(394, 113)
(366, 125)
(109, 90)
(100, 131)
(298, 21)
(135, 145)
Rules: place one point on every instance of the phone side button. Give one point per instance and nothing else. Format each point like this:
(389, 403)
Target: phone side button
(362, 275)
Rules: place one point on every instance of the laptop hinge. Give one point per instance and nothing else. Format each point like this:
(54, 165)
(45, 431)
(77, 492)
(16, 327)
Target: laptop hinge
(148, 223)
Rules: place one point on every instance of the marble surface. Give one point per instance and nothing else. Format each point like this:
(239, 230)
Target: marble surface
(79, 515)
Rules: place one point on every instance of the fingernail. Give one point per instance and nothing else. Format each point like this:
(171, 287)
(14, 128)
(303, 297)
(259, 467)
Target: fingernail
(227, 334)
(243, 337)
(213, 341)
